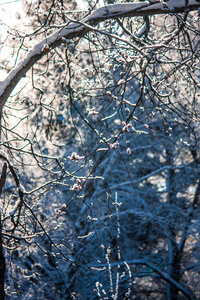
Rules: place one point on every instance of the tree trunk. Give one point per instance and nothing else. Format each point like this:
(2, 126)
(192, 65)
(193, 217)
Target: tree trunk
(2, 266)
(2, 258)
(175, 274)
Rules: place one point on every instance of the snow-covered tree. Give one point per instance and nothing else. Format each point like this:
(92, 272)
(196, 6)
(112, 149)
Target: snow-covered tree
(100, 179)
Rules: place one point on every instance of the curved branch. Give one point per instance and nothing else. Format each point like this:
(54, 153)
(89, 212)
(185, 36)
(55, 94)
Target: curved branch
(72, 30)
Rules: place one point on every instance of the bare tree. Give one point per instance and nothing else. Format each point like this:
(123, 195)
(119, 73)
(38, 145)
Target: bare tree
(105, 140)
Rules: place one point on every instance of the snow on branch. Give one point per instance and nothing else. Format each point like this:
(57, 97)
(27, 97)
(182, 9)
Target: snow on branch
(74, 29)
(151, 7)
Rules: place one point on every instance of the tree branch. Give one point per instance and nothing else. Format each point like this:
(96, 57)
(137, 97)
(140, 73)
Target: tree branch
(157, 270)
(73, 30)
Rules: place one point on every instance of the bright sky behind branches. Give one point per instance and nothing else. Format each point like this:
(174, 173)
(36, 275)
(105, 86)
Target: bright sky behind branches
(8, 19)
(8, 10)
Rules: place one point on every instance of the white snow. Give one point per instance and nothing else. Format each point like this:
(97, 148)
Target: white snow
(117, 8)
(3, 85)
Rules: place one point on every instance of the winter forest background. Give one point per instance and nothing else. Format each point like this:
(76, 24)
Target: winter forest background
(100, 178)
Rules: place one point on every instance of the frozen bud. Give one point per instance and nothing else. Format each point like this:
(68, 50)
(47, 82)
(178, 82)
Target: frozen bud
(76, 187)
(75, 157)
(46, 48)
(128, 151)
(114, 145)
(108, 93)
(125, 127)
